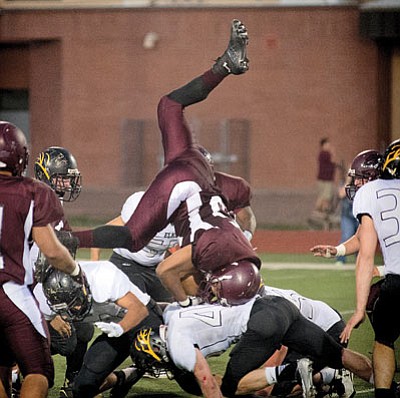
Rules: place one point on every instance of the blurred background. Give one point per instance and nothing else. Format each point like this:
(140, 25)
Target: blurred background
(88, 74)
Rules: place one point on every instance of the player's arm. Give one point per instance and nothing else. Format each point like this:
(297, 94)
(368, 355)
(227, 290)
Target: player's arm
(173, 270)
(207, 382)
(247, 221)
(350, 246)
(94, 251)
(136, 312)
(57, 254)
(364, 272)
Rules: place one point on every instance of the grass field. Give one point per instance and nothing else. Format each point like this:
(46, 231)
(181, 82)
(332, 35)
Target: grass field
(334, 286)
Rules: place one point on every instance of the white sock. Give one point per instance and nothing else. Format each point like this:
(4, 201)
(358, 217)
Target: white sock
(327, 375)
(270, 375)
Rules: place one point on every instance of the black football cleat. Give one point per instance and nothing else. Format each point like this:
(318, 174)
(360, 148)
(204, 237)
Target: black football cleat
(234, 60)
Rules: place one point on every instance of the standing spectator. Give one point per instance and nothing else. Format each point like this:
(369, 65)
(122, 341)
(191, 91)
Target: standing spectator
(28, 207)
(376, 205)
(325, 177)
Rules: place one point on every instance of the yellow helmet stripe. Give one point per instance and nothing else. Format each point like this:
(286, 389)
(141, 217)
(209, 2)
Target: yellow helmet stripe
(142, 343)
(40, 162)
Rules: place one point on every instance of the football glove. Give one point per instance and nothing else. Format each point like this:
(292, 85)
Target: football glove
(110, 329)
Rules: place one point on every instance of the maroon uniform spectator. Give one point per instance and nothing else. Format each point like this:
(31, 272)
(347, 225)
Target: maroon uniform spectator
(325, 177)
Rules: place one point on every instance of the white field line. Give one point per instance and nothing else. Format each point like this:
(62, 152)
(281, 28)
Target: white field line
(319, 266)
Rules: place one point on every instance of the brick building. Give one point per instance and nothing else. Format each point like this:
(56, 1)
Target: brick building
(81, 75)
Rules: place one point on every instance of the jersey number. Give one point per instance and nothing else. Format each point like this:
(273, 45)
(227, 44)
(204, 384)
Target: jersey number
(209, 316)
(389, 216)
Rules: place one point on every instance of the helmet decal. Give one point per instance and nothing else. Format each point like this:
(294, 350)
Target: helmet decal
(41, 162)
(392, 155)
(142, 343)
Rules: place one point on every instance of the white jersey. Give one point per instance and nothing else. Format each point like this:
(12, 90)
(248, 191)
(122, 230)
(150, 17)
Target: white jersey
(107, 284)
(153, 253)
(210, 328)
(381, 200)
(315, 311)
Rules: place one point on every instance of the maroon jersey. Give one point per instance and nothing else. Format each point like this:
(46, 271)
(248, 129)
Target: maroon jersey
(326, 169)
(184, 193)
(24, 203)
(236, 191)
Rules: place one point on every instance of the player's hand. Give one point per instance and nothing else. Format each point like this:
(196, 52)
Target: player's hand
(354, 322)
(80, 278)
(110, 329)
(62, 327)
(190, 301)
(326, 251)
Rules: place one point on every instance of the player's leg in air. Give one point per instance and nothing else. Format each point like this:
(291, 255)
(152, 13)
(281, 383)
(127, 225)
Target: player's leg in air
(176, 136)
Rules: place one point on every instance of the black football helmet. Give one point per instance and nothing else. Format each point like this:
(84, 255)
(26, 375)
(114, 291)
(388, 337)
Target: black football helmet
(233, 284)
(366, 166)
(66, 296)
(57, 167)
(391, 161)
(14, 152)
(149, 351)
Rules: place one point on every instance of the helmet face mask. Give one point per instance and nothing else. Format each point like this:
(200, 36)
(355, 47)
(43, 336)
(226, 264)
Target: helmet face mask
(56, 167)
(65, 296)
(365, 167)
(14, 153)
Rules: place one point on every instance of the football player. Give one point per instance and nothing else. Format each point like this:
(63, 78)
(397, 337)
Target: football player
(57, 167)
(28, 209)
(111, 302)
(365, 167)
(376, 208)
(259, 326)
(184, 191)
(141, 266)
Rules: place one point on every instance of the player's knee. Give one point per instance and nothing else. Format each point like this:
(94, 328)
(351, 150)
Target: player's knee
(85, 332)
(385, 342)
(83, 387)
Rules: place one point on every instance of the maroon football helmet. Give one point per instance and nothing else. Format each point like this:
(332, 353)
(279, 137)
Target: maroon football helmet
(366, 166)
(233, 284)
(14, 152)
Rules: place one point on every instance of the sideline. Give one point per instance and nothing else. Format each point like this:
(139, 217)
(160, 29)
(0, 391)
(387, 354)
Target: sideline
(318, 266)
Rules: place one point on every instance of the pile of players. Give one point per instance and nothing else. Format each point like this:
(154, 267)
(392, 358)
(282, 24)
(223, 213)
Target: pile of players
(185, 241)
